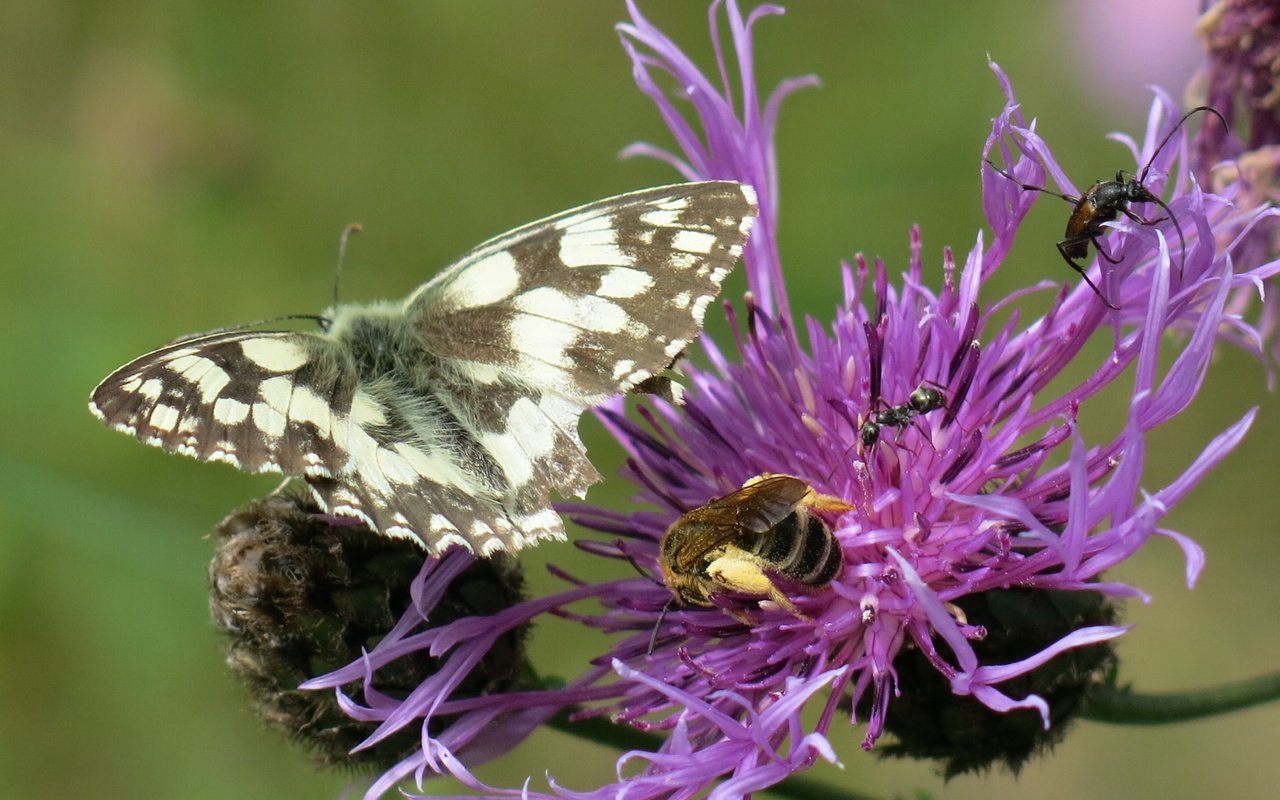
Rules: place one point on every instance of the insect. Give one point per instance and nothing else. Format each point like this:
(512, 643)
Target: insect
(921, 401)
(1105, 201)
(663, 384)
(744, 542)
(449, 418)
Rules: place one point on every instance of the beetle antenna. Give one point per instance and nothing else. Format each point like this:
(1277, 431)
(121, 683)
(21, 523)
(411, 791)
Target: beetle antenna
(1142, 176)
(1182, 240)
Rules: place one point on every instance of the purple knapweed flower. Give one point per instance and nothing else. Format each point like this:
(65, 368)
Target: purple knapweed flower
(998, 490)
(1241, 79)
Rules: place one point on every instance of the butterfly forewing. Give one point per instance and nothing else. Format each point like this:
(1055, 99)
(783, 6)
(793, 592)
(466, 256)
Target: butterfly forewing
(262, 401)
(595, 299)
(451, 418)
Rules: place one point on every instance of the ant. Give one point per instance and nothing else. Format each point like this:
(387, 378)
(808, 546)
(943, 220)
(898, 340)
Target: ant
(1104, 201)
(923, 400)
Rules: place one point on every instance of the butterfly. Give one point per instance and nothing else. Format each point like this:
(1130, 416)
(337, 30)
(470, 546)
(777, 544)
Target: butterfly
(449, 418)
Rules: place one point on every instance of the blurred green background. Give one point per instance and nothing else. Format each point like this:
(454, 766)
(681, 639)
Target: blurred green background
(175, 166)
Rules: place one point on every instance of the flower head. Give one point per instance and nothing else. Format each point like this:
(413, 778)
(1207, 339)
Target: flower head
(993, 489)
(1241, 78)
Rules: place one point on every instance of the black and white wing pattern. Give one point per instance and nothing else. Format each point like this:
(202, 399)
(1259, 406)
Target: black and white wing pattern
(261, 401)
(452, 417)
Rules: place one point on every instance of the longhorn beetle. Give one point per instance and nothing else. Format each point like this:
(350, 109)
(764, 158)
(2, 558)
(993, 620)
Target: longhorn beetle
(1104, 201)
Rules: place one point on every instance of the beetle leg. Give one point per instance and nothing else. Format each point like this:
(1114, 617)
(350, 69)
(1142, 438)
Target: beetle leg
(1064, 246)
(1097, 243)
(1140, 219)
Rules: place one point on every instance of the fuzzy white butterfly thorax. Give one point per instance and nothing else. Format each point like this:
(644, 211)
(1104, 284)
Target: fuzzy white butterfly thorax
(451, 417)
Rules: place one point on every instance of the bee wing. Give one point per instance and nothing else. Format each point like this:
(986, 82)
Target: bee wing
(764, 502)
(750, 511)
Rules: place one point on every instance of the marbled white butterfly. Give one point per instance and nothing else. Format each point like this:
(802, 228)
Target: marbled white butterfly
(450, 417)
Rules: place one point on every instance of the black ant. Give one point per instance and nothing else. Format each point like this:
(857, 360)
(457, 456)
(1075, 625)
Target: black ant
(1104, 201)
(923, 400)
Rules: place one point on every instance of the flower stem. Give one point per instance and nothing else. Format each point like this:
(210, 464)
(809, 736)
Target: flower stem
(623, 737)
(1123, 707)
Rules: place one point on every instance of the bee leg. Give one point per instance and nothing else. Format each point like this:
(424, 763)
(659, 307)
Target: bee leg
(776, 595)
(957, 613)
(1066, 245)
(829, 503)
(740, 575)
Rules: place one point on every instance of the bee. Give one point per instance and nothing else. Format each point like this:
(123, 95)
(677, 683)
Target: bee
(744, 542)
(1105, 201)
(923, 400)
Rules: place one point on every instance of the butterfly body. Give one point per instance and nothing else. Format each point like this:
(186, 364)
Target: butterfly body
(451, 417)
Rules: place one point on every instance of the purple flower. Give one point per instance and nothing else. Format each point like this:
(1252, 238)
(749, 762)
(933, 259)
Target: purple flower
(1241, 79)
(998, 490)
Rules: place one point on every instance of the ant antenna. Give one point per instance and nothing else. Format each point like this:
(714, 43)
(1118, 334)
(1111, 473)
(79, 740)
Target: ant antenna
(354, 227)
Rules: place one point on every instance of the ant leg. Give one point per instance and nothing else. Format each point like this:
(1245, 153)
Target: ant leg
(1063, 247)
(1031, 188)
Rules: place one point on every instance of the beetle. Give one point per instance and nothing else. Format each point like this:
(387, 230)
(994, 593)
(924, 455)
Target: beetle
(1105, 201)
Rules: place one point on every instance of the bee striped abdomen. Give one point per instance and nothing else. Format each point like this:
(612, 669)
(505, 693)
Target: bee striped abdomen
(802, 549)
(744, 542)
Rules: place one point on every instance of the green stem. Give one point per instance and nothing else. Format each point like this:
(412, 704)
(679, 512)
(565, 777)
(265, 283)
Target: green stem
(1123, 707)
(623, 737)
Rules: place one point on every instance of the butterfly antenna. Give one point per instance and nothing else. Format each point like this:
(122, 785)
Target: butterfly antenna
(1142, 177)
(323, 322)
(354, 227)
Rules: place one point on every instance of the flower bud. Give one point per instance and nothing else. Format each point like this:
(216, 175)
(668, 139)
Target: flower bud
(299, 595)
